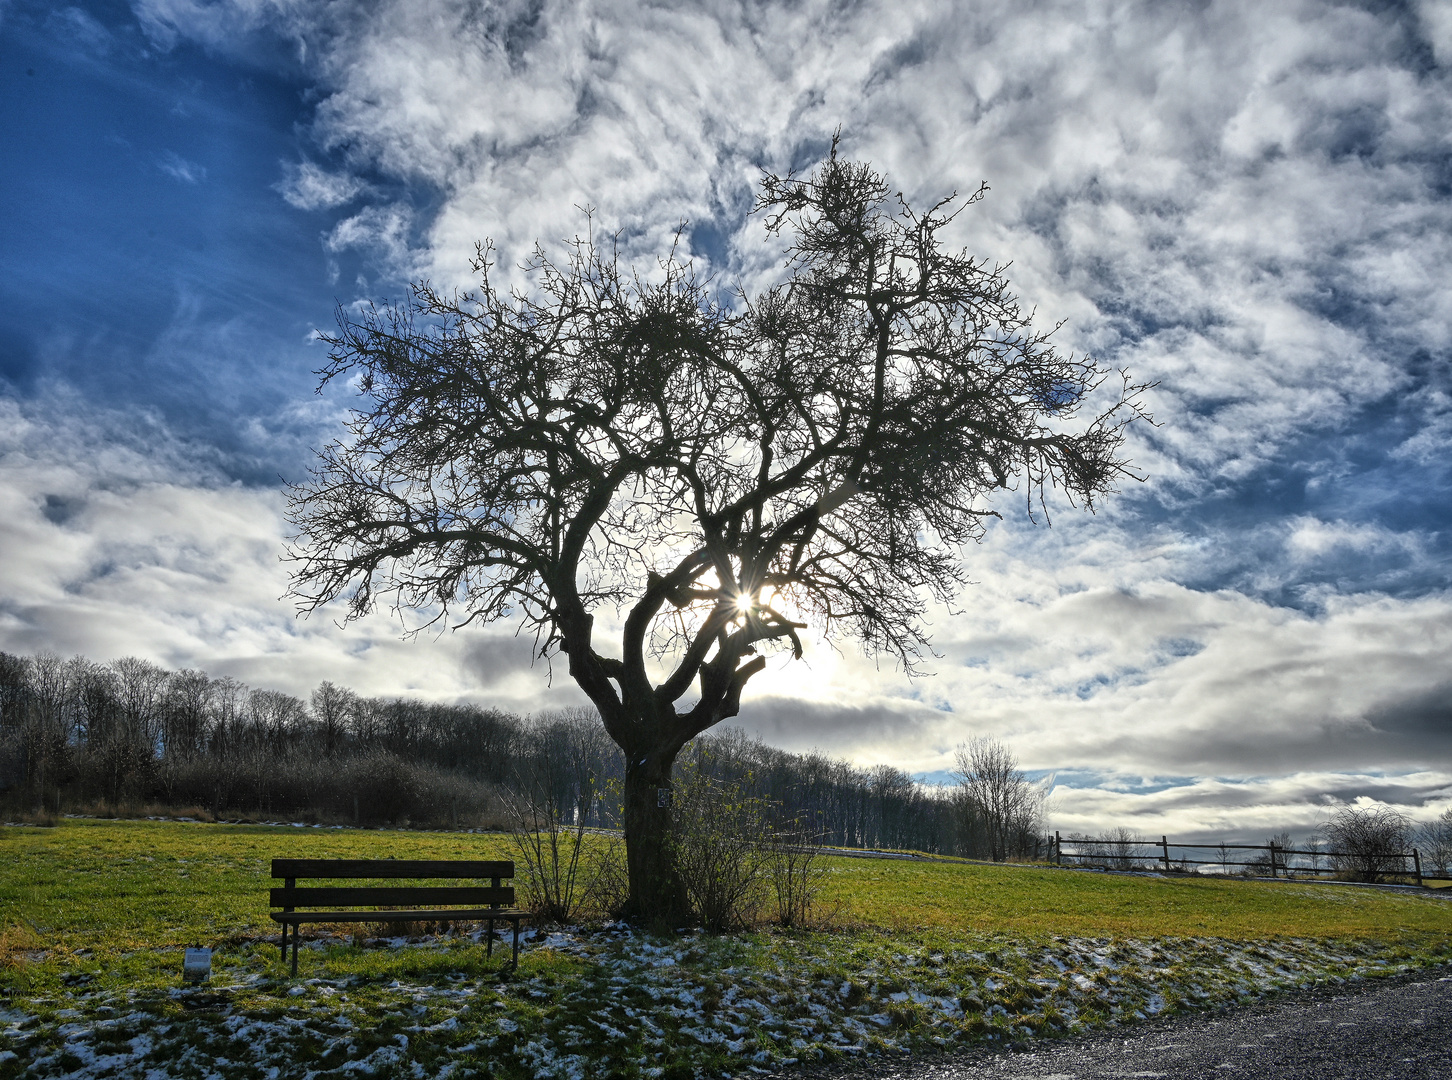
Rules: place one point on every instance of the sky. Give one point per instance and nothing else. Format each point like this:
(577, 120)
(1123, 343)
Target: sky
(1247, 204)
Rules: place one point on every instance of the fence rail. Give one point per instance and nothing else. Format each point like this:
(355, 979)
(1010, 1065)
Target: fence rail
(1125, 853)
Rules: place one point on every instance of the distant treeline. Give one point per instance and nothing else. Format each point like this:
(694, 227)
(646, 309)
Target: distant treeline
(76, 735)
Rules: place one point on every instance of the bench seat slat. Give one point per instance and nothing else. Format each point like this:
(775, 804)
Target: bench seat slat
(391, 868)
(341, 895)
(445, 915)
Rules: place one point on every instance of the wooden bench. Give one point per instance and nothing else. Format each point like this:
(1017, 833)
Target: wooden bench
(422, 900)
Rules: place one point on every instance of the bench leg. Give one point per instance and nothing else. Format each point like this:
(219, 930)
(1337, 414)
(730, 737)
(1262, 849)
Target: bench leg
(284, 943)
(516, 943)
(489, 934)
(296, 927)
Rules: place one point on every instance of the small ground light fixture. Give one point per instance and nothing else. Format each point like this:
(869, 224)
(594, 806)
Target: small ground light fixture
(197, 965)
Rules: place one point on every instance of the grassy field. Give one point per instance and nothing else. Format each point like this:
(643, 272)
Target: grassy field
(125, 885)
(1035, 900)
(93, 915)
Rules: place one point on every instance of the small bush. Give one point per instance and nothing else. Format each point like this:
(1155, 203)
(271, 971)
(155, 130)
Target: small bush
(609, 878)
(1368, 842)
(720, 854)
(552, 797)
(797, 874)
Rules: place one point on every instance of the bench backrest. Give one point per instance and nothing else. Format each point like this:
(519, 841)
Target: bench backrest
(291, 896)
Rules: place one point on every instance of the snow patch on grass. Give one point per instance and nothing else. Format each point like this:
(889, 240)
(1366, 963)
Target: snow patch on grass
(612, 1002)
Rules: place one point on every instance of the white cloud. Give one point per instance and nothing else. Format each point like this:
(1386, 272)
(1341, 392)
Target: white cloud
(179, 168)
(1310, 538)
(1210, 809)
(120, 543)
(79, 27)
(1436, 19)
(308, 187)
(1191, 185)
(218, 26)
(380, 231)
(1111, 667)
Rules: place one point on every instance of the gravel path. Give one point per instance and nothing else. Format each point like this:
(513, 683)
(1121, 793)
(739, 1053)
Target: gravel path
(1400, 1028)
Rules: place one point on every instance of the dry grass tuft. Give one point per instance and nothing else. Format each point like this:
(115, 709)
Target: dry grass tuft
(17, 944)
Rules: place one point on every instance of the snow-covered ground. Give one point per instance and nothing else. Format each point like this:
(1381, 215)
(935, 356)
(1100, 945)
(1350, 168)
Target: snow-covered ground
(610, 1002)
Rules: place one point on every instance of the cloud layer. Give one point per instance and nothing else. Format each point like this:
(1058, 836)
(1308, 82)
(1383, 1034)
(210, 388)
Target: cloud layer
(1249, 205)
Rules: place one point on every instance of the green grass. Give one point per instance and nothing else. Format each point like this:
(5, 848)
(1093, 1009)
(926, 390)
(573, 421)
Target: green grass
(119, 885)
(125, 885)
(93, 915)
(1037, 900)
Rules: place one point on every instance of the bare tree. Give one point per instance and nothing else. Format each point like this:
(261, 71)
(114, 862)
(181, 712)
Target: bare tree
(1007, 803)
(141, 689)
(813, 455)
(1368, 842)
(332, 709)
(186, 710)
(1122, 848)
(49, 726)
(1435, 838)
(1314, 847)
(1274, 859)
(120, 711)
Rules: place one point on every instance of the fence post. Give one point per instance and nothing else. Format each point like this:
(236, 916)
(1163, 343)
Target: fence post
(1272, 848)
(1417, 862)
(1165, 852)
(1058, 850)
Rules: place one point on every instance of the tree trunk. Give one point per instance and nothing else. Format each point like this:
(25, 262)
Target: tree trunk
(656, 892)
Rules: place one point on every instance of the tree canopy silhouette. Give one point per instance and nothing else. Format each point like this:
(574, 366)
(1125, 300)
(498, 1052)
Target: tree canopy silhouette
(719, 477)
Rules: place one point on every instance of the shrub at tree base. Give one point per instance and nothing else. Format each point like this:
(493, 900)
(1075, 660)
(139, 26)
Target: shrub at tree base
(719, 851)
(737, 859)
(566, 869)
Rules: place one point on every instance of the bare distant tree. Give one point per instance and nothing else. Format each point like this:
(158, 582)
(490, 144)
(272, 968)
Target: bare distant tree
(185, 711)
(815, 455)
(1368, 841)
(1435, 839)
(1123, 848)
(48, 721)
(141, 688)
(332, 708)
(1315, 845)
(892, 790)
(123, 706)
(990, 779)
(1274, 860)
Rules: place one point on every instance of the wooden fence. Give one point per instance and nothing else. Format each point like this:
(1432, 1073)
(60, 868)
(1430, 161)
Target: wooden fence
(1125, 854)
